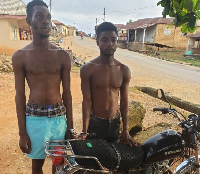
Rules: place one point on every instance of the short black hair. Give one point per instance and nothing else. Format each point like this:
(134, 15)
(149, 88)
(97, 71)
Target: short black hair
(30, 5)
(105, 26)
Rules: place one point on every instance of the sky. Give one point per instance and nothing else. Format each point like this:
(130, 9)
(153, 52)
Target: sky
(83, 13)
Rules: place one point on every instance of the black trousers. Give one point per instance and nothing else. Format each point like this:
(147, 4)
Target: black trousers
(108, 129)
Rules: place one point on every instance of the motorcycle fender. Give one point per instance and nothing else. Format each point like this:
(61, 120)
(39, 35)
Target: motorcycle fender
(185, 166)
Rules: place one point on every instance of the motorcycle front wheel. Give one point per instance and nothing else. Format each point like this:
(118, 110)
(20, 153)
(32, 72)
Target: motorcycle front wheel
(187, 166)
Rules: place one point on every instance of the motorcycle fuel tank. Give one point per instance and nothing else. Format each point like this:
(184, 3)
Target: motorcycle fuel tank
(164, 145)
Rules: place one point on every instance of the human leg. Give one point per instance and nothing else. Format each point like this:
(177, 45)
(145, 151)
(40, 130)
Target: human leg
(44, 123)
(37, 165)
(97, 128)
(113, 133)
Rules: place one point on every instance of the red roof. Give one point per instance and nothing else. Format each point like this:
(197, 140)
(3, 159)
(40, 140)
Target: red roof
(147, 22)
(13, 16)
(119, 25)
(56, 22)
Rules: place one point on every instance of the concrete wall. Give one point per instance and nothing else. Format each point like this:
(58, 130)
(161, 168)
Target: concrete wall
(191, 43)
(150, 34)
(72, 32)
(139, 35)
(195, 50)
(170, 36)
(135, 46)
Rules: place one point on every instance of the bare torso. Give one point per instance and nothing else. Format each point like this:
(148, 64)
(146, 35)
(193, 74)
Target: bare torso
(105, 81)
(42, 70)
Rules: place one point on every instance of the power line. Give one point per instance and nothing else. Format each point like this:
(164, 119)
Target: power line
(131, 10)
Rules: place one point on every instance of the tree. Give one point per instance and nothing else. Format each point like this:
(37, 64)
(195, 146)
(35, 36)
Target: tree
(130, 20)
(185, 13)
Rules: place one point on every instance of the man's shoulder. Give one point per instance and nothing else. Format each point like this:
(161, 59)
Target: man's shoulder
(88, 68)
(22, 51)
(19, 53)
(92, 63)
(123, 66)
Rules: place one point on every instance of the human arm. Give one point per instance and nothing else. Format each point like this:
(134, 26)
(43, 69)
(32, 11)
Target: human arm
(66, 95)
(125, 137)
(20, 100)
(87, 102)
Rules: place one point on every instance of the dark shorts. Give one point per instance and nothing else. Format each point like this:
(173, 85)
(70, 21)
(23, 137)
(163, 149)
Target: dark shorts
(108, 129)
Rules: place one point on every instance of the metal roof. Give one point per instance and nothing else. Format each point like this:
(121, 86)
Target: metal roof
(147, 22)
(196, 35)
(56, 22)
(12, 7)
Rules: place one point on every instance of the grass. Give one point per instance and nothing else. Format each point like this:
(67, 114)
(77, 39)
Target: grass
(195, 62)
(177, 56)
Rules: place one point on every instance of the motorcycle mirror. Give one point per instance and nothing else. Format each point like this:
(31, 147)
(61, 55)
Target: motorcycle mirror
(161, 94)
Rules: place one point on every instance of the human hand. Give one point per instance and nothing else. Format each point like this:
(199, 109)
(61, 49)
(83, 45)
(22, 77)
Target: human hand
(25, 144)
(126, 139)
(69, 135)
(82, 136)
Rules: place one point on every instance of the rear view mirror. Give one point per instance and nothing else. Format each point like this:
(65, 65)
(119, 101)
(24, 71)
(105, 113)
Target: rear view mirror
(161, 94)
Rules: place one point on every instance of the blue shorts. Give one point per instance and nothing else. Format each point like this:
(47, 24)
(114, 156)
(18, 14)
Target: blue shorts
(42, 129)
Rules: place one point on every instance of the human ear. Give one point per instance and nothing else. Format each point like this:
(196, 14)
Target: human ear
(28, 20)
(97, 41)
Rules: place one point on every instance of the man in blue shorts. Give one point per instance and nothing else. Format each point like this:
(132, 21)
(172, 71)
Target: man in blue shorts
(44, 66)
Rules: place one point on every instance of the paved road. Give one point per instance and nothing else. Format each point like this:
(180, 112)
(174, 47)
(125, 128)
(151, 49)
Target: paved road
(180, 80)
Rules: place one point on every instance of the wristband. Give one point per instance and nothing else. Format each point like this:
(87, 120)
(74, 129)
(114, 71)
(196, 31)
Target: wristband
(71, 130)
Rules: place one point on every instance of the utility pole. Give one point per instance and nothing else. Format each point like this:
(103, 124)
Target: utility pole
(50, 3)
(95, 27)
(104, 14)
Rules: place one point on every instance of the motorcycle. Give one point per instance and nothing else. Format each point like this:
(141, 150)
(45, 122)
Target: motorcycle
(154, 156)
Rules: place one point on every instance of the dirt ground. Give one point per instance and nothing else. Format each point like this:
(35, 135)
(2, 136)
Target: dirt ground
(12, 160)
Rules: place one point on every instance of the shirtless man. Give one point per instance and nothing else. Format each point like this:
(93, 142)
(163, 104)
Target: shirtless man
(102, 79)
(43, 66)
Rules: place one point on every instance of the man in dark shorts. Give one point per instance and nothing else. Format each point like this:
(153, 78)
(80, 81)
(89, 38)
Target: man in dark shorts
(102, 80)
(44, 66)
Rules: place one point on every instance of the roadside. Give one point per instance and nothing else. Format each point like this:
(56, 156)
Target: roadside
(11, 158)
(175, 55)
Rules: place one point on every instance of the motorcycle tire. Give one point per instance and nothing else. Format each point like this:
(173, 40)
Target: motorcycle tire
(186, 166)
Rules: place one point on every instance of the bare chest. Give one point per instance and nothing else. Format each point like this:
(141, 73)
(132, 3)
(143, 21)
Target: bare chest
(107, 77)
(45, 62)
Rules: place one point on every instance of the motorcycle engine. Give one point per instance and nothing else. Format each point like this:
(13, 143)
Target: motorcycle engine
(157, 167)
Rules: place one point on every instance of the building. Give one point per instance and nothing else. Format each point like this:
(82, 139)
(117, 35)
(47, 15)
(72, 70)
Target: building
(15, 32)
(71, 30)
(61, 28)
(122, 33)
(154, 31)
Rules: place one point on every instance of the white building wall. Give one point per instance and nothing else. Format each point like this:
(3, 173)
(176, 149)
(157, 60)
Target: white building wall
(150, 34)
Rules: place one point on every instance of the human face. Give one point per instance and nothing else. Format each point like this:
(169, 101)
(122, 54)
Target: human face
(41, 21)
(107, 42)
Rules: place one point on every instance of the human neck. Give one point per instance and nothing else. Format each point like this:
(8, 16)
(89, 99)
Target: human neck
(107, 60)
(40, 43)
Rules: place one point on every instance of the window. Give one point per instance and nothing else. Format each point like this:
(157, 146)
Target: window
(14, 32)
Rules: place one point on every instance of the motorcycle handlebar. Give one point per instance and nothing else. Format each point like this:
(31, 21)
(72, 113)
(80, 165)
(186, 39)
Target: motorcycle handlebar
(163, 110)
